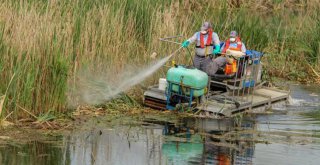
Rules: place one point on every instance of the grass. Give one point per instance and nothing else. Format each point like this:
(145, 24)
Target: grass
(46, 43)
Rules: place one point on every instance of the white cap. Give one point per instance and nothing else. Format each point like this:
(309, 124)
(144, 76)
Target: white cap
(205, 26)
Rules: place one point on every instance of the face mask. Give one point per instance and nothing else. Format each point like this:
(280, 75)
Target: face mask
(232, 39)
(203, 32)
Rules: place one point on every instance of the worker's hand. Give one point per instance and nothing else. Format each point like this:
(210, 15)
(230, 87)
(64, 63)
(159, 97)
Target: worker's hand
(185, 43)
(229, 59)
(216, 49)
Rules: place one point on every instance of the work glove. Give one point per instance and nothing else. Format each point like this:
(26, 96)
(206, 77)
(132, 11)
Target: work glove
(216, 50)
(185, 43)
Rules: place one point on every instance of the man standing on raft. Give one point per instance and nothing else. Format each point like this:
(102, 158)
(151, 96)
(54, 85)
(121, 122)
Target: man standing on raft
(207, 43)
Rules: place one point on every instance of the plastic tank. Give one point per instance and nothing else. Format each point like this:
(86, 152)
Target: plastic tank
(188, 77)
(162, 84)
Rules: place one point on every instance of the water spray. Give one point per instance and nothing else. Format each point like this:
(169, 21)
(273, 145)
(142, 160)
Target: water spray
(96, 90)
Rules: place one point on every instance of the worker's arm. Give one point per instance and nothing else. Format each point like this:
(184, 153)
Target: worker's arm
(193, 38)
(187, 42)
(216, 43)
(243, 48)
(222, 47)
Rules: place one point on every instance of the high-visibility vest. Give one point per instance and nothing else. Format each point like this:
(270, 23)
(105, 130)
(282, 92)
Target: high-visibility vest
(231, 68)
(204, 47)
(209, 39)
(227, 45)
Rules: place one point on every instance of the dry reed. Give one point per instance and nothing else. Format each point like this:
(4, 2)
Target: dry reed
(47, 43)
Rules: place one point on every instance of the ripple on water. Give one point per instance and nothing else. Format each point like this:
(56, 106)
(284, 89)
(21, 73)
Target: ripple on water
(278, 138)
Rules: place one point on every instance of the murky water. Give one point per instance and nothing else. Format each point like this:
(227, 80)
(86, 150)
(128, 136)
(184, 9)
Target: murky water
(284, 137)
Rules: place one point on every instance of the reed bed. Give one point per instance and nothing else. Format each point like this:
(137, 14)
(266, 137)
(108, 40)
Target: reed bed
(44, 44)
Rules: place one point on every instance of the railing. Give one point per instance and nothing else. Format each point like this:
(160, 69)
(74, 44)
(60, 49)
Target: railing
(246, 77)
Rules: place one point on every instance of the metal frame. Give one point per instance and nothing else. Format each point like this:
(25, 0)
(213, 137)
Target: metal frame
(180, 93)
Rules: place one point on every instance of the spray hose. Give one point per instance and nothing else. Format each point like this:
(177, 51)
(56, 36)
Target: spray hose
(167, 40)
(190, 56)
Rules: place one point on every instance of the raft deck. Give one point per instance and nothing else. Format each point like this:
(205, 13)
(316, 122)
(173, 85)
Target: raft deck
(225, 104)
(261, 98)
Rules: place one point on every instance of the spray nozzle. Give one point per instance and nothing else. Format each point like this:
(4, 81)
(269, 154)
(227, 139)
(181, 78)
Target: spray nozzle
(173, 63)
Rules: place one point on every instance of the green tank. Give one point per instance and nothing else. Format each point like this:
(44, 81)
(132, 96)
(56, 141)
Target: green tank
(188, 77)
(181, 152)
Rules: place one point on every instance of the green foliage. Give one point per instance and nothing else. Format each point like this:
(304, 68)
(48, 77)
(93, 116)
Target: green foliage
(46, 43)
(309, 44)
(48, 116)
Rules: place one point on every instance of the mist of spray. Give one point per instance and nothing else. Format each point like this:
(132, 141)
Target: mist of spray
(98, 89)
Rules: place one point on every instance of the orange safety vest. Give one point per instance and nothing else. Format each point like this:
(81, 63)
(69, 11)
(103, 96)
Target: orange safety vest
(209, 39)
(231, 68)
(239, 45)
(223, 159)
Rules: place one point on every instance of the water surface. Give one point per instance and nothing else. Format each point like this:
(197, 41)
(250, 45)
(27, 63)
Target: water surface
(283, 137)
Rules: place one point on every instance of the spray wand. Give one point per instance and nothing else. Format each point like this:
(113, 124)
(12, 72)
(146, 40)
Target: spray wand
(167, 39)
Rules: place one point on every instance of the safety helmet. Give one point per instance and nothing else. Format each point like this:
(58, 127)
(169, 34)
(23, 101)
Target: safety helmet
(233, 35)
(205, 27)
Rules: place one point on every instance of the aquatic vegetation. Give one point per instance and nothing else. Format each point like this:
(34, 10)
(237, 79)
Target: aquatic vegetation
(313, 114)
(48, 44)
(45, 117)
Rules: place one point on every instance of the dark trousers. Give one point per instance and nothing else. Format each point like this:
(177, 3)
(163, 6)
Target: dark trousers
(208, 65)
(200, 62)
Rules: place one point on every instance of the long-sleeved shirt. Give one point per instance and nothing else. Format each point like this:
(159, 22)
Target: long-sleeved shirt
(207, 49)
(235, 45)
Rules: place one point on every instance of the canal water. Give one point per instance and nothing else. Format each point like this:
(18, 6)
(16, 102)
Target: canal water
(285, 136)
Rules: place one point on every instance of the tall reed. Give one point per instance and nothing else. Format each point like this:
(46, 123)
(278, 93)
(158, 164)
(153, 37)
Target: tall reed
(47, 43)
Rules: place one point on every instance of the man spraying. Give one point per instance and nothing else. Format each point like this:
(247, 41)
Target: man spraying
(207, 43)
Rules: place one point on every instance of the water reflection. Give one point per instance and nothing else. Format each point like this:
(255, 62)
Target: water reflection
(279, 138)
(190, 141)
(123, 145)
(32, 153)
(213, 142)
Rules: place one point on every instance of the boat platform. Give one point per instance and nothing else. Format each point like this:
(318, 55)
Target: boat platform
(224, 104)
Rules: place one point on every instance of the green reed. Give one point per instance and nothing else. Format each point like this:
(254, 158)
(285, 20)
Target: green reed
(47, 43)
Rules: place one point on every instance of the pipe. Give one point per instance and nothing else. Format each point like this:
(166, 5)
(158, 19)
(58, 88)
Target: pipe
(178, 43)
(170, 37)
(170, 41)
